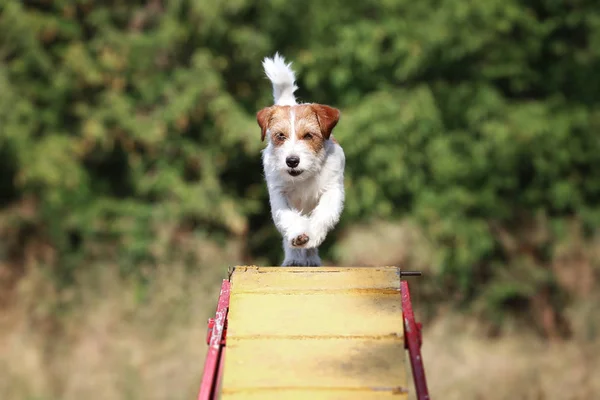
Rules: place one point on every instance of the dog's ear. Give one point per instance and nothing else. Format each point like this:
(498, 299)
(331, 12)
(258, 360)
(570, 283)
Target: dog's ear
(328, 118)
(262, 117)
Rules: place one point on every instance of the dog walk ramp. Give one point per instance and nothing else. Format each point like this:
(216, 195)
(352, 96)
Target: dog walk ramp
(314, 333)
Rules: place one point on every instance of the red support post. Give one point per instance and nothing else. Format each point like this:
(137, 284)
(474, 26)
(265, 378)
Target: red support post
(213, 365)
(413, 340)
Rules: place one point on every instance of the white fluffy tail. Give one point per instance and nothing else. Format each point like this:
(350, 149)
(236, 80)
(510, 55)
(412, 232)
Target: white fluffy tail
(282, 77)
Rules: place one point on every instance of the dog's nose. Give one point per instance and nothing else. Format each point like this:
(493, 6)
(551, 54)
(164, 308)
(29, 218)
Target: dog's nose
(292, 161)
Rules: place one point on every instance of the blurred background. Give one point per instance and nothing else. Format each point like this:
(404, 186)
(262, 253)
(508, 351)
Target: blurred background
(130, 180)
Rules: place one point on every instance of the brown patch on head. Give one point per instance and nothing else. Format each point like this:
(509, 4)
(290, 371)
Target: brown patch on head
(263, 117)
(307, 128)
(312, 123)
(328, 118)
(275, 118)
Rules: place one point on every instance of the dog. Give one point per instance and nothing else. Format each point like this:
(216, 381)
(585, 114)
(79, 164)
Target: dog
(303, 166)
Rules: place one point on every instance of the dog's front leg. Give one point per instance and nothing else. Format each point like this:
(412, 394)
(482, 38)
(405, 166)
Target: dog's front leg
(292, 225)
(325, 215)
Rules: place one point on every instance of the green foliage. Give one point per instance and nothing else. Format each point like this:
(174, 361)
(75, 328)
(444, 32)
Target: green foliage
(119, 117)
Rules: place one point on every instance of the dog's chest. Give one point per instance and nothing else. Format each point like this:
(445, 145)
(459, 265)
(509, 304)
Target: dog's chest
(303, 198)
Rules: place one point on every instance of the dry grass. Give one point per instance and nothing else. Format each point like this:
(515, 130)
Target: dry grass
(118, 341)
(463, 364)
(387, 243)
(115, 348)
(121, 342)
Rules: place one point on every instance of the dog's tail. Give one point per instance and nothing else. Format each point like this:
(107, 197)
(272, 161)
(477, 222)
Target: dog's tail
(283, 79)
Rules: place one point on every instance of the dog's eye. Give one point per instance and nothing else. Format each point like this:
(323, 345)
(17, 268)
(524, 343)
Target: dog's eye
(280, 136)
(307, 136)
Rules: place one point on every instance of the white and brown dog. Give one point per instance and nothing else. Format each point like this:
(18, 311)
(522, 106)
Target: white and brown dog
(303, 166)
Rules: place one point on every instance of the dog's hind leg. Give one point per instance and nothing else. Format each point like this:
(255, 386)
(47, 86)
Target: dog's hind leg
(312, 257)
(297, 257)
(293, 256)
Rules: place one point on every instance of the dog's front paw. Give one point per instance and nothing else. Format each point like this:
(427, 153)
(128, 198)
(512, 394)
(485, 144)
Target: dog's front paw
(300, 240)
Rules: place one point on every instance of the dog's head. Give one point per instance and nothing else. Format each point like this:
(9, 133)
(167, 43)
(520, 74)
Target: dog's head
(297, 136)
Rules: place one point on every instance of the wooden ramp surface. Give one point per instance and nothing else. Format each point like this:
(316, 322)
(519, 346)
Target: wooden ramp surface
(314, 333)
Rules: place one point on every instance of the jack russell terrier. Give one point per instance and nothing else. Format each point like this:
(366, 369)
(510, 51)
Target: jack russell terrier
(303, 166)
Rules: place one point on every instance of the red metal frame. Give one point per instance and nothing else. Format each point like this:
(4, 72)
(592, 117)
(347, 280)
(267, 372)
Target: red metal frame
(413, 341)
(217, 329)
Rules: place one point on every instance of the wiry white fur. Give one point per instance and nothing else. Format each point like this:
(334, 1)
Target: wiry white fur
(283, 79)
(310, 203)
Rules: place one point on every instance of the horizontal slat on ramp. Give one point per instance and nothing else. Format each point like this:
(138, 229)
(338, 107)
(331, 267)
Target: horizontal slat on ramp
(318, 333)
(308, 394)
(285, 279)
(321, 314)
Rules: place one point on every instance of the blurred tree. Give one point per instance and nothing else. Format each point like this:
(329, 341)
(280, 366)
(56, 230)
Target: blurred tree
(478, 119)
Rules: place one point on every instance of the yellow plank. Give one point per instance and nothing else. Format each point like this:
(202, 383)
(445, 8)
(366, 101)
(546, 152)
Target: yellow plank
(320, 314)
(282, 279)
(351, 364)
(303, 394)
(318, 333)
